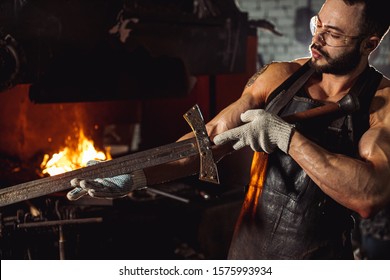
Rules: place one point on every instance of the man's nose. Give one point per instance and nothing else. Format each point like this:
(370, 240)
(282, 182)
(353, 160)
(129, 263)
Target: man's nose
(318, 38)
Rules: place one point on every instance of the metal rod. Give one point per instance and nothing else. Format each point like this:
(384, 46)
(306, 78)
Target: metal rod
(60, 222)
(185, 200)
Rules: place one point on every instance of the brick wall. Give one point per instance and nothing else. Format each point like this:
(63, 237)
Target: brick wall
(283, 14)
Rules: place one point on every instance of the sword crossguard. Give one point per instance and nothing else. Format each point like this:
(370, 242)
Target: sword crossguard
(208, 169)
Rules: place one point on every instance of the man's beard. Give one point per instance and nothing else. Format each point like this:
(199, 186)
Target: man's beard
(340, 65)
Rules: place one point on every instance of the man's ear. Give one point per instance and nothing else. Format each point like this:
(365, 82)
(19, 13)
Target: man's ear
(371, 44)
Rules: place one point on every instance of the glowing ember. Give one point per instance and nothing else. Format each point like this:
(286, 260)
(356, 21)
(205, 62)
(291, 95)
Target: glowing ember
(75, 156)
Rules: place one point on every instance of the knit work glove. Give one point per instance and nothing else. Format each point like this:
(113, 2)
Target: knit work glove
(262, 131)
(112, 187)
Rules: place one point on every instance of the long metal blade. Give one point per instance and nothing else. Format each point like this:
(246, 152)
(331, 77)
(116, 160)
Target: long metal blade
(122, 165)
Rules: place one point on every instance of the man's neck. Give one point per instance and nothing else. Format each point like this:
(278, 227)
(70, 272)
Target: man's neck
(330, 87)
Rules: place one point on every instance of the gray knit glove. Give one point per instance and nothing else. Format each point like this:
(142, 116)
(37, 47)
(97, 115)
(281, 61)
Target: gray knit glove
(113, 187)
(262, 132)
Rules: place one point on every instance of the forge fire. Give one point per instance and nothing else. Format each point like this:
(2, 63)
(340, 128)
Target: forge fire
(75, 155)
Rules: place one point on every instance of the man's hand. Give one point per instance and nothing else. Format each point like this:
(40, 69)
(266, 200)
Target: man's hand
(262, 132)
(113, 187)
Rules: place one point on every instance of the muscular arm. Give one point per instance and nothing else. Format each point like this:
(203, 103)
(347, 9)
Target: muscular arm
(254, 95)
(251, 97)
(361, 185)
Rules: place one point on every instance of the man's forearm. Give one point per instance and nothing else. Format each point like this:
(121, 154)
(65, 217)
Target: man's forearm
(349, 181)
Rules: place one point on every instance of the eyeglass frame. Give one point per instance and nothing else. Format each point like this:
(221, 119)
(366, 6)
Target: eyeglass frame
(314, 31)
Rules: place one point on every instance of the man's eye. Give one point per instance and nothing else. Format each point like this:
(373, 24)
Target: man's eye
(334, 35)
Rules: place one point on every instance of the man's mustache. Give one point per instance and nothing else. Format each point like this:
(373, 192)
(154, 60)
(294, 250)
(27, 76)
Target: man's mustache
(318, 49)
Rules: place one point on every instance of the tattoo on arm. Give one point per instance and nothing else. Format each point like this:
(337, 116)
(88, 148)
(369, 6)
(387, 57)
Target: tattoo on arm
(256, 75)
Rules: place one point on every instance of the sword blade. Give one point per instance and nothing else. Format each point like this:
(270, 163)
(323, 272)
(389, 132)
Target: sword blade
(122, 165)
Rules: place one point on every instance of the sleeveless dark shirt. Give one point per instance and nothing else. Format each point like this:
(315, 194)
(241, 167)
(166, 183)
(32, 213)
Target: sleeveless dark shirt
(294, 219)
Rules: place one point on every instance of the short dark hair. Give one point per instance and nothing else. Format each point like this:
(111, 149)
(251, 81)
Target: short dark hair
(375, 16)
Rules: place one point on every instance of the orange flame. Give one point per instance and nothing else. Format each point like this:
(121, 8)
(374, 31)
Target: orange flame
(72, 157)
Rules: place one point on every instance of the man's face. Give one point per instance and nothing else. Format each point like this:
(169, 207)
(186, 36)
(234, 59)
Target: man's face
(340, 62)
(336, 40)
